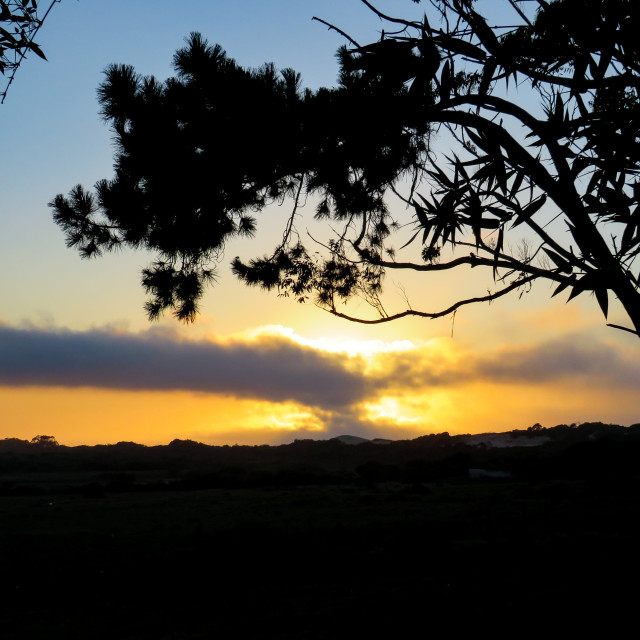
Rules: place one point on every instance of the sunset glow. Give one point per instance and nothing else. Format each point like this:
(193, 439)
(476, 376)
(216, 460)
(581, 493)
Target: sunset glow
(269, 384)
(337, 344)
(79, 359)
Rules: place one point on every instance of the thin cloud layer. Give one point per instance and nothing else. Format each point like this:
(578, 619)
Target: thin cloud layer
(268, 368)
(571, 358)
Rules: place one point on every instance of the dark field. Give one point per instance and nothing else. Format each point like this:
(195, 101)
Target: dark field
(86, 554)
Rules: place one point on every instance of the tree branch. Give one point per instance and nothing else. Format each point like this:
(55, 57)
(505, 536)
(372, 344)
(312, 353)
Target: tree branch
(507, 262)
(383, 16)
(340, 31)
(566, 199)
(437, 314)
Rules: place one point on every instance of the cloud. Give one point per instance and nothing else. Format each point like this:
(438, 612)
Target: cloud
(267, 388)
(422, 368)
(573, 357)
(331, 392)
(268, 368)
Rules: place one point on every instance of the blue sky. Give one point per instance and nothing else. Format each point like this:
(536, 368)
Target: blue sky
(53, 138)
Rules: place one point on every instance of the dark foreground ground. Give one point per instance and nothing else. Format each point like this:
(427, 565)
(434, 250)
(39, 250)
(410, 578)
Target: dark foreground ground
(322, 540)
(390, 559)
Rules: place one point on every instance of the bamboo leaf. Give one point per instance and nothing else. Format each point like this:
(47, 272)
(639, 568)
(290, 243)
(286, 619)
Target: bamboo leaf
(445, 81)
(413, 237)
(420, 214)
(560, 262)
(490, 67)
(530, 210)
(517, 183)
(576, 291)
(496, 251)
(455, 45)
(561, 287)
(603, 300)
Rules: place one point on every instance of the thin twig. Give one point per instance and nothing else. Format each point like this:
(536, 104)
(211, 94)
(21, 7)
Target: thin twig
(23, 52)
(383, 16)
(289, 227)
(520, 12)
(340, 31)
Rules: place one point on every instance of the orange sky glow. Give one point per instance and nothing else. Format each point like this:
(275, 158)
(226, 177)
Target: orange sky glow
(79, 359)
(384, 388)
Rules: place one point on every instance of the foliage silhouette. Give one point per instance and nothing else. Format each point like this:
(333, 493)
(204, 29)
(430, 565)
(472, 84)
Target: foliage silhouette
(44, 441)
(19, 24)
(199, 154)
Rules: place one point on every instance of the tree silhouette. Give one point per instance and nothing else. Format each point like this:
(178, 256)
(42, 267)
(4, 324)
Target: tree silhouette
(542, 190)
(19, 24)
(44, 442)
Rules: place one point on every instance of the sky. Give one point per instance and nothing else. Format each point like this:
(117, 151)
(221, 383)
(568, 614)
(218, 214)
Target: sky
(80, 361)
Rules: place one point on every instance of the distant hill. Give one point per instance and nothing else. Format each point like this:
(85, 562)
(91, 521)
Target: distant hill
(358, 440)
(351, 439)
(589, 450)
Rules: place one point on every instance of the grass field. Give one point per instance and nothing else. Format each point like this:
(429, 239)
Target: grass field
(316, 561)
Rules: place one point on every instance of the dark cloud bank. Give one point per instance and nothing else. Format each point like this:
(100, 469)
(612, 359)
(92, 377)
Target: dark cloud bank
(272, 369)
(276, 369)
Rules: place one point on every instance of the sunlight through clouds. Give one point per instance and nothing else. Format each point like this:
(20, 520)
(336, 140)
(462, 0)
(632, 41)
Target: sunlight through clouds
(270, 384)
(350, 346)
(390, 409)
(418, 411)
(282, 417)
